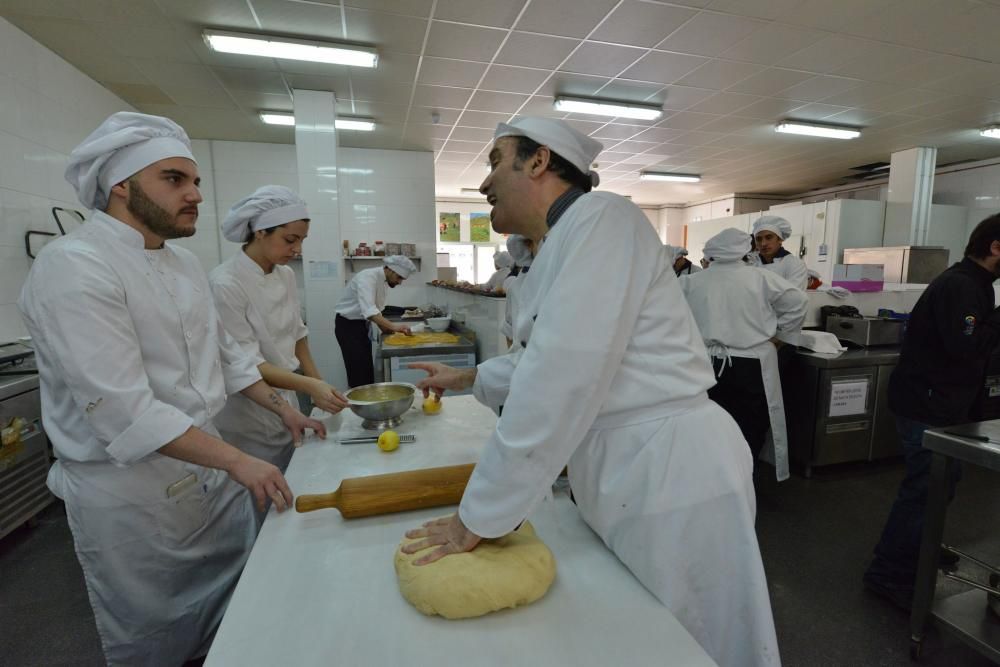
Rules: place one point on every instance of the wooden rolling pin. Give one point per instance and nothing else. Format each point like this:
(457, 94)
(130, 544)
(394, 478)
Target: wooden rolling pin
(394, 492)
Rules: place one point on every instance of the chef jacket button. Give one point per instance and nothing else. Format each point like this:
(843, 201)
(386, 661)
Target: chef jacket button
(534, 317)
(188, 335)
(524, 343)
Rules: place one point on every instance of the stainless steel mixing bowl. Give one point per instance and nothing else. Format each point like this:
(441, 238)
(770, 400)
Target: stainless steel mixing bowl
(382, 404)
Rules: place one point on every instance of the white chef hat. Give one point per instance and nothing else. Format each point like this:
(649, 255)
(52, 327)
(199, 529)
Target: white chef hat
(401, 265)
(518, 248)
(772, 223)
(503, 259)
(679, 251)
(813, 274)
(572, 145)
(123, 145)
(269, 206)
(729, 245)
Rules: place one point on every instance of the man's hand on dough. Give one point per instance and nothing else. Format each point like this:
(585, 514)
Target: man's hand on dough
(448, 534)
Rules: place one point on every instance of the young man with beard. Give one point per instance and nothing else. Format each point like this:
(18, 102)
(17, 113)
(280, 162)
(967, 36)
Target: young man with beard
(133, 366)
(952, 331)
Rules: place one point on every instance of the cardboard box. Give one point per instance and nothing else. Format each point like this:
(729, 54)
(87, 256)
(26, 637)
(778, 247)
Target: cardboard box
(408, 249)
(859, 277)
(449, 273)
(392, 249)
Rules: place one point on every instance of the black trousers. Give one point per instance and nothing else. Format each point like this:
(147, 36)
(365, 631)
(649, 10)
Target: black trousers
(357, 350)
(740, 392)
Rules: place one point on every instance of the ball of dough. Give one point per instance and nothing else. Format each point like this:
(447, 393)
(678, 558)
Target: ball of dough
(500, 573)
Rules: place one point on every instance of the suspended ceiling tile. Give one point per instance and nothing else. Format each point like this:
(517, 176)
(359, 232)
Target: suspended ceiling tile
(462, 42)
(529, 50)
(641, 23)
(554, 17)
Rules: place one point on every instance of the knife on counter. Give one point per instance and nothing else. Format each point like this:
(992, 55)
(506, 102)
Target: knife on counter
(358, 440)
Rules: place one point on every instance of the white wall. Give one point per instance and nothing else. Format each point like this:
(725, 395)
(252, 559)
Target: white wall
(384, 196)
(46, 108)
(977, 189)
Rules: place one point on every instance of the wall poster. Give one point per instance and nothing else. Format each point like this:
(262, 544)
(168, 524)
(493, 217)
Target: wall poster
(448, 227)
(479, 225)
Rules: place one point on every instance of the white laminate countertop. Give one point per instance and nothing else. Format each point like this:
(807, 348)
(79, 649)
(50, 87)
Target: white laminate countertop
(320, 590)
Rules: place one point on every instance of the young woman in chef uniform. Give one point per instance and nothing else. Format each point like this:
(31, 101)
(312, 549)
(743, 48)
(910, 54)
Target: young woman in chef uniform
(257, 299)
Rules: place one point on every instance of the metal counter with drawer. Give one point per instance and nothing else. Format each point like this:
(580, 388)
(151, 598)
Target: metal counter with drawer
(837, 408)
(392, 363)
(24, 452)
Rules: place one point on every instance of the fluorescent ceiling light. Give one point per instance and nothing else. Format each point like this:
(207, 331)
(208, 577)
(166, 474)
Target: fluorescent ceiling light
(284, 118)
(608, 108)
(666, 176)
(359, 124)
(993, 132)
(287, 48)
(813, 130)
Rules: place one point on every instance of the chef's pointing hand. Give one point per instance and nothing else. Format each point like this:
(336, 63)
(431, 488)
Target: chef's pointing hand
(449, 535)
(441, 377)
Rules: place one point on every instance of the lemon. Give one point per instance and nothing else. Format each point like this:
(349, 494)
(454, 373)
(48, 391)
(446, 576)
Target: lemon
(432, 405)
(388, 441)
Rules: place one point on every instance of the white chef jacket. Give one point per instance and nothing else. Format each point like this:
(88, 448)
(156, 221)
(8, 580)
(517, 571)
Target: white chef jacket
(261, 312)
(618, 390)
(364, 296)
(496, 280)
(738, 309)
(742, 306)
(130, 354)
(789, 267)
(511, 285)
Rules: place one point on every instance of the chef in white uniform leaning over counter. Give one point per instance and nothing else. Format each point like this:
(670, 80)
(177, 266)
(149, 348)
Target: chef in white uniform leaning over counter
(522, 250)
(769, 233)
(257, 299)
(133, 365)
(614, 391)
(503, 262)
(739, 310)
(362, 302)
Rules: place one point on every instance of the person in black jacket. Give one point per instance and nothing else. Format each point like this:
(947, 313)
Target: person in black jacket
(942, 368)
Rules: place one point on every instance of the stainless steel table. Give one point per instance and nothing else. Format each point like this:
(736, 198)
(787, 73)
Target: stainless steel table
(965, 615)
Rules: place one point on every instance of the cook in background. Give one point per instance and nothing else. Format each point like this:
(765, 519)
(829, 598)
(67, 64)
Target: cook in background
(522, 249)
(952, 331)
(769, 233)
(362, 302)
(614, 391)
(134, 364)
(739, 310)
(258, 301)
(682, 265)
(502, 262)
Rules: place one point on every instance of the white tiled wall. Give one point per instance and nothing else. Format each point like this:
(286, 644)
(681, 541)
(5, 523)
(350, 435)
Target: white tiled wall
(46, 108)
(388, 196)
(977, 189)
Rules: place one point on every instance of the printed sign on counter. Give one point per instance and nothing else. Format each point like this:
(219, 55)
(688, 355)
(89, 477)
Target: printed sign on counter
(848, 398)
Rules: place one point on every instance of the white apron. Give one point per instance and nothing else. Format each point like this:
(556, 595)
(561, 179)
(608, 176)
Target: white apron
(261, 312)
(159, 571)
(775, 451)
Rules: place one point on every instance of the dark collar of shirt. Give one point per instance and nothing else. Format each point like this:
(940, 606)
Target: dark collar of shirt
(560, 205)
(977, 272)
